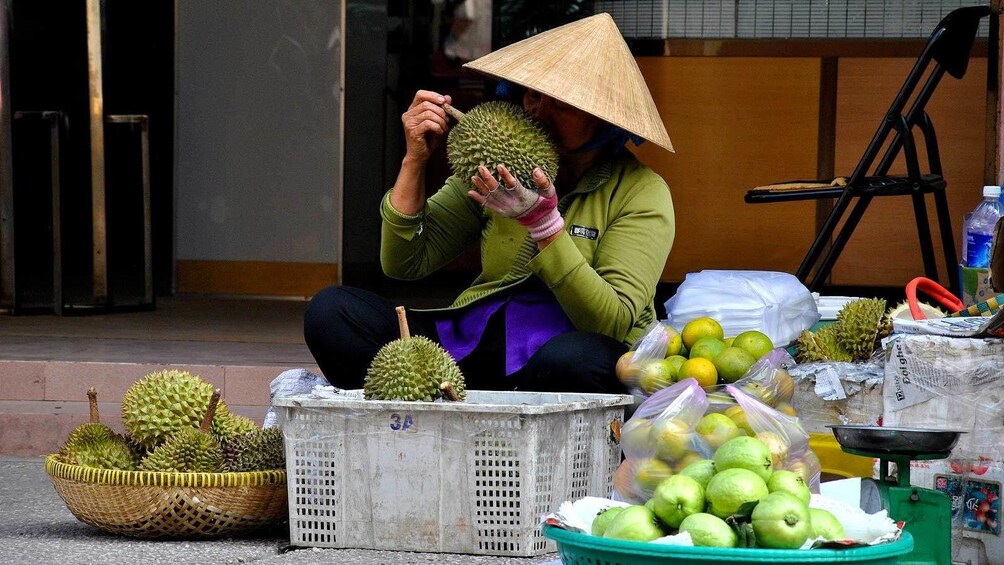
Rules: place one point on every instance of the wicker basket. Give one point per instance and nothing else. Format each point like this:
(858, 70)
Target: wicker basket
(171, 505)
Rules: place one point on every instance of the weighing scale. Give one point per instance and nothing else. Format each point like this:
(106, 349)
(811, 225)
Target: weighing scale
(927, 513)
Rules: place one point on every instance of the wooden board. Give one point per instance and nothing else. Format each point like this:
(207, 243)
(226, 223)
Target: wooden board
(255, 278)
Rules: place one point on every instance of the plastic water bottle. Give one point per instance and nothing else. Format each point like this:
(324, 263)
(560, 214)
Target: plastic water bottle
(979, 228)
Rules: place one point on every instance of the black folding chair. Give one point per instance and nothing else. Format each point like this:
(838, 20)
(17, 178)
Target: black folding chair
(947, 50)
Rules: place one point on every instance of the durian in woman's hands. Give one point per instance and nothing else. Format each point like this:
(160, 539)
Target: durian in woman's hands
(413, 368)
(499, 133)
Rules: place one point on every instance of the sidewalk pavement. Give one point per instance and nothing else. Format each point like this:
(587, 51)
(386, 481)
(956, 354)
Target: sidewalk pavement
(36, 528)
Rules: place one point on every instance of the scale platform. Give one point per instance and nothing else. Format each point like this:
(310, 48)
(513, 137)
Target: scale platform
(926, 513)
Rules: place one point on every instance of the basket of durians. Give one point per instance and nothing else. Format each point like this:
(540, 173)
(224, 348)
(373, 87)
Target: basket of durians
(186, 467)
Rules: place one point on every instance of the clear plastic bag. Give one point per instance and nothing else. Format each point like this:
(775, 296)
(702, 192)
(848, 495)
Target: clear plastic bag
(775, 303)
(634, 369)
(660, 440)
(784, 436)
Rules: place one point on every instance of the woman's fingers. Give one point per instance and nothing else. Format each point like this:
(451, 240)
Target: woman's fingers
(430, 96)
(477, 197)
(508, 180)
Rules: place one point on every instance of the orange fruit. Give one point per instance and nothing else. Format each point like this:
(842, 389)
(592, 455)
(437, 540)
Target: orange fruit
(626, 370)
(674, 341)
(784, 385)
(732, 363)
(707, 347)
(701, 370)
(754, 342)
(701, 327)
(656, 375)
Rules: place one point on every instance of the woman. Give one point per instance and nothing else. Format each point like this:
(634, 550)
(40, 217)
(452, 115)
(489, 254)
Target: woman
(569, 267)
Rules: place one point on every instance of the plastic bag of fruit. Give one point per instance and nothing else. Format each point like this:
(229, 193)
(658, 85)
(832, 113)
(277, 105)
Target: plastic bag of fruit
(661, 439)
(644, 369)
(767, 380)
(784, 436)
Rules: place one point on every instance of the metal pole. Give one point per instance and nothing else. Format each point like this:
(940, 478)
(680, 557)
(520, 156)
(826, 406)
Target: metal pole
(7, 293)
(97, 119)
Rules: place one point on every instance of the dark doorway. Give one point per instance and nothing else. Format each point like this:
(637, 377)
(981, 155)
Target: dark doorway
(49, 73)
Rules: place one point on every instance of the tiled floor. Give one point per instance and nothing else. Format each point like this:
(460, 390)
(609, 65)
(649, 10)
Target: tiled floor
(179, 330)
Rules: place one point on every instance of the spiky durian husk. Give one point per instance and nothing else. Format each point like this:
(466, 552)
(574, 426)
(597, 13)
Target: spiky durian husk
(87, 434)
(819, 346)
(858, 326)
(260, 450)
(96, 445)
(231, 425)
(412, 369)
(190, 450)
(495, 133)
(165, 402)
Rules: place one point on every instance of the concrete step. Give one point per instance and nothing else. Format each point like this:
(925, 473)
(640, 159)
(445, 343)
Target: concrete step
(42, 401)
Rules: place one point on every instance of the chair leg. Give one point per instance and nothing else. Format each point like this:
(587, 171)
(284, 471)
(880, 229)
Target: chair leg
(822, 238)
(924, 234)
(838, 244)
(947, 240)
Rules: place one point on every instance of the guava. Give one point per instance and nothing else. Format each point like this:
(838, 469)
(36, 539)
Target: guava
(777, 445)
(672, 439)
(790, 482)
(676, 498)
(688, 458)
(781, 521)
(634, 523)
(701, 471)
(635, 439)
(648, 473)
(716, 429)
(745, 452)
(709, 531)
(731, 488)
(825, 525)
(603, 519)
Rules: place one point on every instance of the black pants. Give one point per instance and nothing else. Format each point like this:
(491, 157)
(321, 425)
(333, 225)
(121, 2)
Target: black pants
(344, 327)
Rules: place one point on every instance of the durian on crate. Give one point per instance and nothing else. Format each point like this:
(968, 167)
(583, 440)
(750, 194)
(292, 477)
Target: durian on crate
(471, 477)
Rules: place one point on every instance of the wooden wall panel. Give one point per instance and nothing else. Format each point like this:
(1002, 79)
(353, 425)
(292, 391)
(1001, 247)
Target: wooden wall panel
(884, 249)
(736, 123)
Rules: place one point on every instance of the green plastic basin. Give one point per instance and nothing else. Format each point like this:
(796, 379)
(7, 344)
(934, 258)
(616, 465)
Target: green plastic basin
(583, 549)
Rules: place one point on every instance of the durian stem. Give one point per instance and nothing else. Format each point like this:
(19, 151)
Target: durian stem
(453, 112)
(92, 400)
(449, 392)
(402, 323)
(207, 420)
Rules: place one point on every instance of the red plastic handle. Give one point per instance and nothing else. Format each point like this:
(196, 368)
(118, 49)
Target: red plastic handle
(935, 291)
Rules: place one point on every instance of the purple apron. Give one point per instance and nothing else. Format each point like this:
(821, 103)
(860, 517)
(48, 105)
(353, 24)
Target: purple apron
(532, 318)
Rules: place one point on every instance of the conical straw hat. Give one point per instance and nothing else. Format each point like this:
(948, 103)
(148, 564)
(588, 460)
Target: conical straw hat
(585, 64)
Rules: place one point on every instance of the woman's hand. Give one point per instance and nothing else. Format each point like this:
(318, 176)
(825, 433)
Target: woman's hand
(425, 125)
(537, 210)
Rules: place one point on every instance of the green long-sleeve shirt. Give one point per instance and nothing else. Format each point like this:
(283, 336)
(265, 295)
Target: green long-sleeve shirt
(602, 269)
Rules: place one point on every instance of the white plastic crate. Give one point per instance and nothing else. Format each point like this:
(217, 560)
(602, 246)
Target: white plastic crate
(453, 477)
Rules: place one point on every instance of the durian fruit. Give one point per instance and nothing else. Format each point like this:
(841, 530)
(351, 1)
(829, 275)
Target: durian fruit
(413, 368)
(820, 346)
(165, 402)
(189, 450)
(902, 311)
(859, 326)
(95, 445)
(499, 133)
(229, 426)
(260, 450)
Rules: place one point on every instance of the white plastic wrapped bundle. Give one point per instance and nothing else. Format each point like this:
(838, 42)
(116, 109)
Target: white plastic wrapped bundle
(775, 303)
